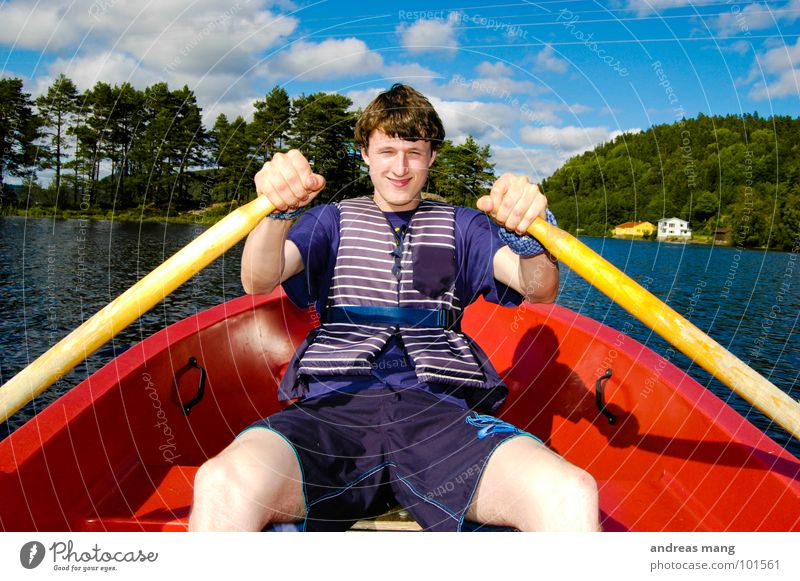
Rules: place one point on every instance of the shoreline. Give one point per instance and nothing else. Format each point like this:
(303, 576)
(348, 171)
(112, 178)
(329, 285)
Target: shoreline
(215, 212)
(207, 216)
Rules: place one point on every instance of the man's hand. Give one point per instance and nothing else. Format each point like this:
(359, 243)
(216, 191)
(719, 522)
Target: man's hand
(288, 181)
(514, 202)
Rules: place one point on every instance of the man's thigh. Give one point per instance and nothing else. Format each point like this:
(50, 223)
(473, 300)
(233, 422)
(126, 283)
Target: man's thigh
(269, 464)
(526, 485)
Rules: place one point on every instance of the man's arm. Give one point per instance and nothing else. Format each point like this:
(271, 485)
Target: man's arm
(515, 203)
(268, 258)
(535, 278)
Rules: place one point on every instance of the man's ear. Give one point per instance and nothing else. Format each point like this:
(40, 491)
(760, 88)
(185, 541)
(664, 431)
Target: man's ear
(364, 155)
(433, 157)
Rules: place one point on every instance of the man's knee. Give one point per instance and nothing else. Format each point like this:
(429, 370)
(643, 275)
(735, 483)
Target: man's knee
(573, 504)
(221, 482)
(213, 477)
(254, 481)
(579, 487)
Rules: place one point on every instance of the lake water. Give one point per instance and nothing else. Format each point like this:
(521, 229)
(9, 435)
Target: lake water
(56, 274)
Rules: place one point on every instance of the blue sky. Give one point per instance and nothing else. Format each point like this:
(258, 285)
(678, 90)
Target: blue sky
(538, 81)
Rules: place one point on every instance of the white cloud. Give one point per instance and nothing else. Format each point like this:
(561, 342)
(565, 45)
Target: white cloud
(559, 145)
(495, 70)
(38, 27)
(207, 45)
(743, 20)
(495, 82)
(781, 67)
(484, 121)
(738, 21)
(571, 139)
(546, 60)
(231, 109)
(411, 73)
(168, 35)
(326, 60)
(109, 67)
(650, 6)
(535, 163)
(363, 97)
(430, 35)
(740, 47)
(209, 42)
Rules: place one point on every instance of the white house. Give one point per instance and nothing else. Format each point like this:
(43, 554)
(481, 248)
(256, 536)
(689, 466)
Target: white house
(673, 228)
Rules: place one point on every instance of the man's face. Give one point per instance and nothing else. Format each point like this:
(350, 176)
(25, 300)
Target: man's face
(398, 170)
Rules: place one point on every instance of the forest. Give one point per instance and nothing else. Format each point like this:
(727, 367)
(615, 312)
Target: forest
(118, 148)
(740, 173)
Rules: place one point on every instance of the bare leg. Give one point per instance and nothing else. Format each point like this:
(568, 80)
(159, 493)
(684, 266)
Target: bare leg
(254, 481)
(527, 486)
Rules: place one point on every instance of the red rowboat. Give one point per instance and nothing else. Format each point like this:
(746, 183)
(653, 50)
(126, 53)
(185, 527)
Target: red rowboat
(119, 451)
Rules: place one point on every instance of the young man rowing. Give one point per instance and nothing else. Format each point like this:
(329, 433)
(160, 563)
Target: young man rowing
(388, 384)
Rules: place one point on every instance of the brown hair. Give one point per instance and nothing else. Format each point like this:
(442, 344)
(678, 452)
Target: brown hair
(401, 112)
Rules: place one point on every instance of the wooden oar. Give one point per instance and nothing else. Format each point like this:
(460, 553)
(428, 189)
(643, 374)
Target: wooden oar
(130, 305)
(145, 294)
(690, 340)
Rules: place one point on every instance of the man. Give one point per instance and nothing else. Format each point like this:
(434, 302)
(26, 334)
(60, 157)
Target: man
(388, 384)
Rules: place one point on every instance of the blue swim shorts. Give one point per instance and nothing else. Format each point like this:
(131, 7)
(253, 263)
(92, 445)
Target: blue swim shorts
(363, 453)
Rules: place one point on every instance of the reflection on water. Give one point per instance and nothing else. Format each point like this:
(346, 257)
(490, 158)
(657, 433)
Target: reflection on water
(56, 274)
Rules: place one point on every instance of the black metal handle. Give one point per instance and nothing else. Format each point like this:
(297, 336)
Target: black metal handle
(599, 397)
(201, 388)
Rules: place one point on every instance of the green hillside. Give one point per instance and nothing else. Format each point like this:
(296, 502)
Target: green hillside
(739, 172)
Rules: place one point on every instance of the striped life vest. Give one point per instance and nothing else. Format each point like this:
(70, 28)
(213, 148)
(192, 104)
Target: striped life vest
(363, 277)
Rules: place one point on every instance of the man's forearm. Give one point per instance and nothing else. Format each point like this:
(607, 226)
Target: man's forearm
(263, 256)
(538, 278)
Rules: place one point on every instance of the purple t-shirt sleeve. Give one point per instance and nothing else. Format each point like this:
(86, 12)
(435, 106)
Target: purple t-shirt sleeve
(316, 235)
(477, 239)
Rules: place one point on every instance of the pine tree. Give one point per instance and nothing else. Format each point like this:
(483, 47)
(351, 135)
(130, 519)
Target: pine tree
(19, 129)
(462, 173)
(271, 121)
(230, 154)
(323, 129)
(185, 142)
(57, 109)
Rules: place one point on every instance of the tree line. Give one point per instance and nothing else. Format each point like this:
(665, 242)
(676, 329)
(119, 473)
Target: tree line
(120, 147)
(740, 173)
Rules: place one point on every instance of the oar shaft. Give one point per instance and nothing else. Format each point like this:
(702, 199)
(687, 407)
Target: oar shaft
(129, 306)
(685, 336)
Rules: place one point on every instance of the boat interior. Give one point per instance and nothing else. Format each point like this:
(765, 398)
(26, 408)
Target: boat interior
(120, 451)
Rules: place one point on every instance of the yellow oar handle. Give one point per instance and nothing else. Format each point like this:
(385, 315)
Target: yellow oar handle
(690, 340)
(130, 305)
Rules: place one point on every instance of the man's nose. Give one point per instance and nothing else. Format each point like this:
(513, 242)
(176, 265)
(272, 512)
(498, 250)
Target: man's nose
(400, 164)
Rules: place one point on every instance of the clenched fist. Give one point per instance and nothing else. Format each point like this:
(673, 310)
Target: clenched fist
(514, 202)
(288, 181)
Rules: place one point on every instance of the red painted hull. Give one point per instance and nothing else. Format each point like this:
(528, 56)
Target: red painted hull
(117, 452)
